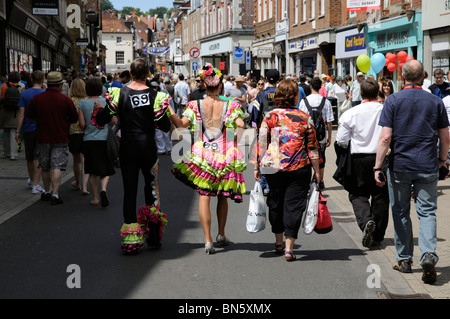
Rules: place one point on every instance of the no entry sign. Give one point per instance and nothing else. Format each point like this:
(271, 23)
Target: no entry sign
(194, 53)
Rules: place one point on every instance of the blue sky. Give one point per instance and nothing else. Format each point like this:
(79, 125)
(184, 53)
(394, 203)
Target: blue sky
(144, 5)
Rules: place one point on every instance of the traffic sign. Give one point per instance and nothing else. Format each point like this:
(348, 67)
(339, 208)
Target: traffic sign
(238, 52)
(194, 66)
(194, 53)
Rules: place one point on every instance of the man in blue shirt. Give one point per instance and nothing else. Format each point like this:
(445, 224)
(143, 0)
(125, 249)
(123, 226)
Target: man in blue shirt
(440, 88)
(29, 130)
(262, 105)
(124, 78)
(410, 120)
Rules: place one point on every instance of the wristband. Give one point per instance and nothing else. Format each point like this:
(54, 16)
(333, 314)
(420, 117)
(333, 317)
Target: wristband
(376, 169)
(442, 161)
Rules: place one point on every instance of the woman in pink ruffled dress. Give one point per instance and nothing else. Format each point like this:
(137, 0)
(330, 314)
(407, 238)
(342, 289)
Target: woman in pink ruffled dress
(214, 164)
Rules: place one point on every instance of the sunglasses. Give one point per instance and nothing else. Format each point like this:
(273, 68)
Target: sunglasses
(198, 81)
(260, 83)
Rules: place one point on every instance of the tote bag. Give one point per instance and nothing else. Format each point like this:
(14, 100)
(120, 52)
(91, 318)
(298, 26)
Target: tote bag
(324, 224)
(256, 216)
(312, 209)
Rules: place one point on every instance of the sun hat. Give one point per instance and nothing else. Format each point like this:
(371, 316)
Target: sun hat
(239, 79)
(55, 78)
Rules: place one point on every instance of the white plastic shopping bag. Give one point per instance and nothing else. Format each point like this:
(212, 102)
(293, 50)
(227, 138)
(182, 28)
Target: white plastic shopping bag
(312, 209)
(256, 217)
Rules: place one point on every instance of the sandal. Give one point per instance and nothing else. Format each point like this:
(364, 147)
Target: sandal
(279, 249)
(75, 186)
(289, 255)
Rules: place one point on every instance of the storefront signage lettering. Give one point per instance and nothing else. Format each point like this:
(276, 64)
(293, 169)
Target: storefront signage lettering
(215, 46)
(52, 40)
(31, 26)
(355, 42)
(363, 5)
(447, 5)
(390, 39)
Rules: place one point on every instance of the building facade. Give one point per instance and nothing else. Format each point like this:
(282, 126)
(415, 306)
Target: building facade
(31, 41)
(436, 28)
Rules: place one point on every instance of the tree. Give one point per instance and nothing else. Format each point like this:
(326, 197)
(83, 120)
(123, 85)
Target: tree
(106, 5)
(159, 11)
(127, 10)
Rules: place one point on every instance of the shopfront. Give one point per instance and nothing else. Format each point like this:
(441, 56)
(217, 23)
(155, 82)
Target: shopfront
(350, 44)
(263, 53)
(304, 53)
(436, 28)
(397, 34)
(31, 43)
(219, 51)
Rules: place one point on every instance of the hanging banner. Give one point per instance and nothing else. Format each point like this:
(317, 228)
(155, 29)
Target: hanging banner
(157, 50)
(363, 5)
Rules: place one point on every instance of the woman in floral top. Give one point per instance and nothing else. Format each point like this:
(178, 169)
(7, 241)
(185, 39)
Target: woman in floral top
(287, 150)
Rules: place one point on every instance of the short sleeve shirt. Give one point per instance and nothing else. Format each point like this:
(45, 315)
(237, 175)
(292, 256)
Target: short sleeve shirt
(414, 116)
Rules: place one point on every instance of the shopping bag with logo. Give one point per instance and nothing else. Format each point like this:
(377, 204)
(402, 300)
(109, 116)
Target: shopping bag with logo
(312, 209)
(256, 217)
(324, 224)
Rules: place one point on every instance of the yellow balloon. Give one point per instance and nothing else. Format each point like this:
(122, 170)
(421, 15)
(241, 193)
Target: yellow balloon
(363, 63)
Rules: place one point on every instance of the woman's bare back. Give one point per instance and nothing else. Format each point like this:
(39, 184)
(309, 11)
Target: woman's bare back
(212, 114)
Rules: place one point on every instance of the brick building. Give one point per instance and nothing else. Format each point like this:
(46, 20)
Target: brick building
(312, 35)
(262, 47)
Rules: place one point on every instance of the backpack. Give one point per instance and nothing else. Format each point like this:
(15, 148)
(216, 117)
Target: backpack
(265, 107)
(316, 114)
(12, 97)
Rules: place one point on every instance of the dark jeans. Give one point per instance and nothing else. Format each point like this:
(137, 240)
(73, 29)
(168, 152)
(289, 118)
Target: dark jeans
(287, 200)
(369, 201)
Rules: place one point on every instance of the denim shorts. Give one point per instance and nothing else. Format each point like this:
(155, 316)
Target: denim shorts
(52, 155)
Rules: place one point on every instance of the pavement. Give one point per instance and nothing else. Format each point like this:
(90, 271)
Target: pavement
(15, 196)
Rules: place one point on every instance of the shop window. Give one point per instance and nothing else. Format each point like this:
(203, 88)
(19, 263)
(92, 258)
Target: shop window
(120, 57)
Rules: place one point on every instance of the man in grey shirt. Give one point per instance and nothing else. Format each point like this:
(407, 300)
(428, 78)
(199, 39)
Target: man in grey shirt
(181, 94)
(239, 93)
(355, 91)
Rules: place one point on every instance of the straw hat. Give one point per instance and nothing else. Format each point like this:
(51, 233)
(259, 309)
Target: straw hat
(55, 78)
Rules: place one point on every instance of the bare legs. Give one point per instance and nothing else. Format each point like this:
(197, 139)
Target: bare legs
(205, 215)
(93, 180)
(81, 179)
(52, 178)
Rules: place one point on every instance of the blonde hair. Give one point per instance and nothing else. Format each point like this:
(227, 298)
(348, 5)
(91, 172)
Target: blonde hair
(78, 88)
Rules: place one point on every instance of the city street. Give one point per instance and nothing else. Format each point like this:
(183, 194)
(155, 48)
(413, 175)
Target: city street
(42, 245)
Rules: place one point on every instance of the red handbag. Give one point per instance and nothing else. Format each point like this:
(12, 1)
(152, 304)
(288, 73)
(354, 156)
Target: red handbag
(324, 224)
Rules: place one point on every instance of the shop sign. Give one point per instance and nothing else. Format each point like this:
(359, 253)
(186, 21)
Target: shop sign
(264, 52)
(31, 26)
(45, 7)
(355, 42)
(363, 5)
(392, 39)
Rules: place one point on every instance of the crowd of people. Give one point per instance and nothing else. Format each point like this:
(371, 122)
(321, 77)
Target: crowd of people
(394, 144)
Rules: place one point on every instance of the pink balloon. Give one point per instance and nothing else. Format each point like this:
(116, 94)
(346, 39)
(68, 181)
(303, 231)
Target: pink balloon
(391, 67)
(402, 55)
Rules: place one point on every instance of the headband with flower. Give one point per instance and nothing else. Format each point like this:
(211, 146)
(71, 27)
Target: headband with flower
(210, 75)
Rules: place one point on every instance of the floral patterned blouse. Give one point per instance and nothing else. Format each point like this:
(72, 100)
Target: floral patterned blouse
(287, 140)
(75, 127)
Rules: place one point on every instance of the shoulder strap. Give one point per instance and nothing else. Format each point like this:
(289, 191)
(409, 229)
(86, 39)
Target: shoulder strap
(308, 106)
(322, 104)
